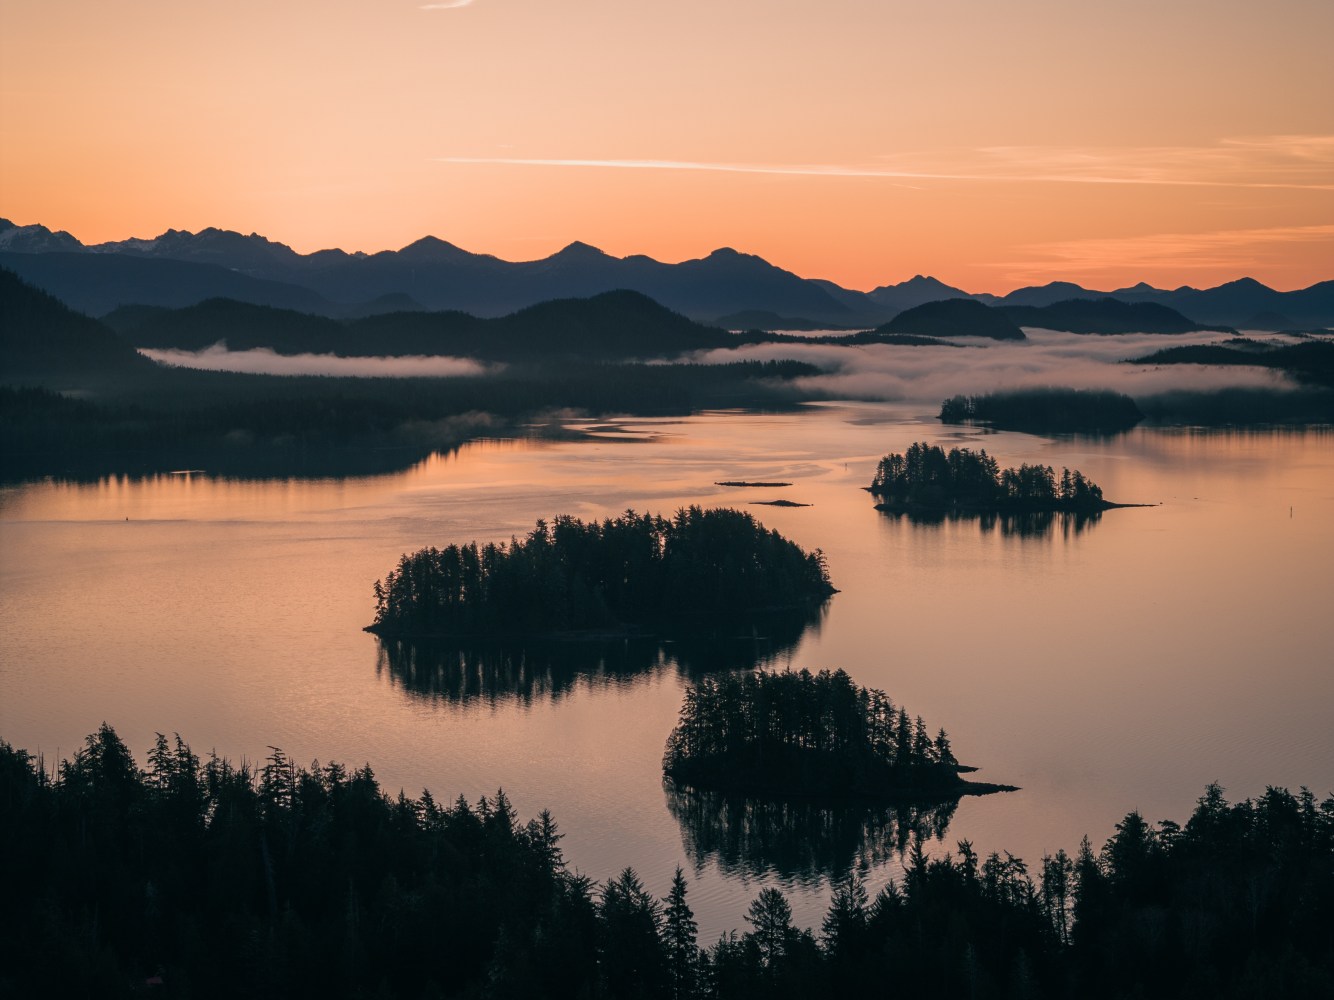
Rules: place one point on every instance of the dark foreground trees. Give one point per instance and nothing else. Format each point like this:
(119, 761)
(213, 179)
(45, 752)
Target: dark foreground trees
(926, 477)
(198, 878)
(566, 575)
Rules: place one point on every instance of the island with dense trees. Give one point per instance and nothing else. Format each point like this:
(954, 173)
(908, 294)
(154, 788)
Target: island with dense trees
(203, 878)
(926, 478)
(568, 575)
(799, 735)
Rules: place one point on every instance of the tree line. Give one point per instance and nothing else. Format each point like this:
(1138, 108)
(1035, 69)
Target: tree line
(567, 574)
(1046, 410)
(198, 877)
(926, 476)
(801, 732)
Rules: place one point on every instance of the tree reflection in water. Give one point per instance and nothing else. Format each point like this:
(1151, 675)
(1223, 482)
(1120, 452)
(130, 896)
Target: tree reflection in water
(800, 841)
(458, 672)
(1023, 524)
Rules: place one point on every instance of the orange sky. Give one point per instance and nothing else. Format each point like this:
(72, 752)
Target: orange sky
(992, 145)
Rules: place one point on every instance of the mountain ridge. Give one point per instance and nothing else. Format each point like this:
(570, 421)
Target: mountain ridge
(440, 275)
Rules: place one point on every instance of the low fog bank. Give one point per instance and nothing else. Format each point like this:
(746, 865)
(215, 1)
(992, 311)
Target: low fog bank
(927, 375)
(262, 361)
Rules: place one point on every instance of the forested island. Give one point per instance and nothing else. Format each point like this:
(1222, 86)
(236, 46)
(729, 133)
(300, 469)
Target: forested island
(925, 477)
(1045, 410)
(202, 878)
(568, 575)
(804, 735)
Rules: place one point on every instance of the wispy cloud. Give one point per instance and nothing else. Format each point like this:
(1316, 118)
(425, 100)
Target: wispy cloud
(1235, 250)
(449, 5)
(1301, 162)
(791, 170)
(262, 361)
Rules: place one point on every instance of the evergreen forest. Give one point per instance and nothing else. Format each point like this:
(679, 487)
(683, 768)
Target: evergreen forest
(804, 734)
(568, 575)
(197, 877)
(925, 476)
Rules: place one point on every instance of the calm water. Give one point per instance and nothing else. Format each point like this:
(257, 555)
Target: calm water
(1107, 666)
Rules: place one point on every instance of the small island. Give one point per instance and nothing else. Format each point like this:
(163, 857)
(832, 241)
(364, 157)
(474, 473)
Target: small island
(926, 478)
(611, 576)
(804, 735)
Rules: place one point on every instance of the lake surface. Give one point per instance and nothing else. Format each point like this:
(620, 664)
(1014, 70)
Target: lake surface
(1108, 665)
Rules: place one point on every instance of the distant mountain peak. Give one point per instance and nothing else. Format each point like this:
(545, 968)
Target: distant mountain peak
(433, 248)
(579, 250)
(925, 281)
(36, 239)
(1246, 284)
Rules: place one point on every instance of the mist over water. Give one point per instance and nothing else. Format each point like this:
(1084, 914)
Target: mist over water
(928, 374)
(262, 361)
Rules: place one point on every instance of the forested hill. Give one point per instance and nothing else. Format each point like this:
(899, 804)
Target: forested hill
(40, 337)
(1106, 316)
(954, 318)
(611, 326)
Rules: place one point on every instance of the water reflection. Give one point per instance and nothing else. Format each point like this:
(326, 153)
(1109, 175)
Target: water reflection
(499, 670)
(801, 842)
(1027, 524)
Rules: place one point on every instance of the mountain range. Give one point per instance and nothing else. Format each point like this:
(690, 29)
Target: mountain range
(179, 269)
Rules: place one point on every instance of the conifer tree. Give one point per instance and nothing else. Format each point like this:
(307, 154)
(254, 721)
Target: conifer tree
(680, 930)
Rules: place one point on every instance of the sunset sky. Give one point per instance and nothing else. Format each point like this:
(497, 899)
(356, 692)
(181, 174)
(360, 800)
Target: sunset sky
(992, 145)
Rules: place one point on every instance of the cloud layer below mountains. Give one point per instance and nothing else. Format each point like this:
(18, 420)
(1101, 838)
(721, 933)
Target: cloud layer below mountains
(875, 372)
(885, 372)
